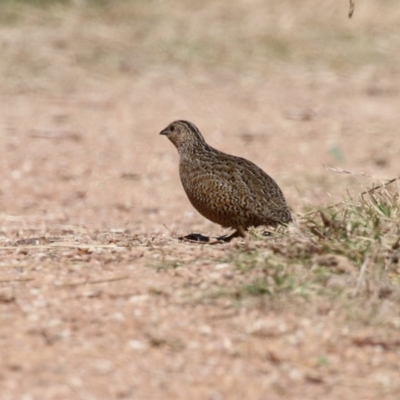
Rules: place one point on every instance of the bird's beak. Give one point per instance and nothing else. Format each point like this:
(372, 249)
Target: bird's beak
(164, 132)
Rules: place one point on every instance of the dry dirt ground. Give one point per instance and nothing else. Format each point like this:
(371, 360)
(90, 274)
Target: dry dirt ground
(98, 297)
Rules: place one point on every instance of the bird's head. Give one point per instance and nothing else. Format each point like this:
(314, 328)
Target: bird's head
(184, 135)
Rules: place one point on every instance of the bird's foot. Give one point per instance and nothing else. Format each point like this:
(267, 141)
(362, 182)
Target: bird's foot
(228, 238)
(224, 238)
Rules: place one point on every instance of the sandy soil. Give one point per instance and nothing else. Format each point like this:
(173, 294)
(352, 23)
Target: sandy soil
(99, 299)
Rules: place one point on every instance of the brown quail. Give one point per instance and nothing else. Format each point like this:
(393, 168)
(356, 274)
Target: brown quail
(228, 190)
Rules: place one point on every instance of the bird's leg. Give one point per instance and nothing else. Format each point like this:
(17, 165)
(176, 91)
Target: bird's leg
(240, 232)
(228, 238)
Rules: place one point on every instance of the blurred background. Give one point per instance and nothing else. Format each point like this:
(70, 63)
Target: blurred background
(86, 86)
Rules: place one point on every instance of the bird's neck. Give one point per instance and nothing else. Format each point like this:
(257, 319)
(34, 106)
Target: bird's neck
(190, 150)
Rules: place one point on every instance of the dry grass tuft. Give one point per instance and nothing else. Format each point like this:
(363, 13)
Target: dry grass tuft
(349, 250)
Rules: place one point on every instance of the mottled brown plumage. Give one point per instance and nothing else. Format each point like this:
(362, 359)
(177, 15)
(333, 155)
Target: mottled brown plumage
(228, 190)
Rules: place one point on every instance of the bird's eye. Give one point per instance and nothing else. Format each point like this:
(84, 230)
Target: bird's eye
(172, 129)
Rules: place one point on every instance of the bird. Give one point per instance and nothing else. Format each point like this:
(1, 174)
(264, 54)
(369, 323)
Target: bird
(228, 190)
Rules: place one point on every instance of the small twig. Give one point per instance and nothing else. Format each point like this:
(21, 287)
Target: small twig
(344, 171)
(27, 279)
(116, 278)
(24, 218)
(352, 198)
(63, 245)
(166, 227)
(84, 246)
(361, 275)
(351, 8)
(55, 134)
(15, 266)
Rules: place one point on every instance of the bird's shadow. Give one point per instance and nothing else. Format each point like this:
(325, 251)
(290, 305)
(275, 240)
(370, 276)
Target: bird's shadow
(195, 238)
(202, 239)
